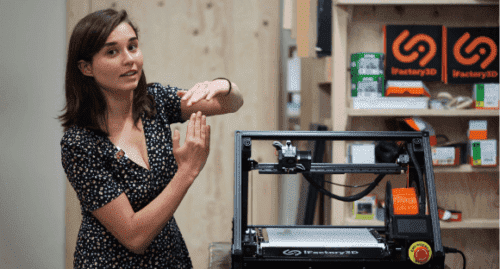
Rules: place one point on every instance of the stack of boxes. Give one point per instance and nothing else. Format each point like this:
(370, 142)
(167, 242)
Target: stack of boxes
(478, 151)
(369, 89)
(367, 75)
(482, 151)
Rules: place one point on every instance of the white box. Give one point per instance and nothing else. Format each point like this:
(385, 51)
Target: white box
(490, 95)
(483, 152)
(361, 153)
(390, 103)
(478, 125)
(444, 156)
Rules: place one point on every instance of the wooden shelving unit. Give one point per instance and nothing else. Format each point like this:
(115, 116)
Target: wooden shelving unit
(356, 23)
(356, 27)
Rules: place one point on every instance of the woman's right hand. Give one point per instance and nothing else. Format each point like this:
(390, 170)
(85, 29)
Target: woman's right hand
(192, 156)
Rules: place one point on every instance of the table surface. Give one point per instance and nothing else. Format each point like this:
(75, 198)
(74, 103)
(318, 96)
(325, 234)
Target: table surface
(220, 256)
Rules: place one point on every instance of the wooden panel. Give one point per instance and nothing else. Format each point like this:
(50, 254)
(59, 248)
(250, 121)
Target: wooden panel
(327, 69)
(287, 14)
(338, 115)
(306, 27)
(480, 247)
(475, 194)
(293, 33)
(190, 41)
(309, 93)
(315, 104)
(75, 10)
(449, 16)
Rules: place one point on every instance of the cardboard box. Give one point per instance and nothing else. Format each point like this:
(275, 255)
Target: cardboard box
(478, 130)
(445, 156)
(470, 55)
(483, 152)
(413, 52)
(367, 86)
(486, 96)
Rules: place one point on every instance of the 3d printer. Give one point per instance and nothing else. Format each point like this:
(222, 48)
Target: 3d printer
(410, 238)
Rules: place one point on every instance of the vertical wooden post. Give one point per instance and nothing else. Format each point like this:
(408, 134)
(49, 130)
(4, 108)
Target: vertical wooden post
(338, 97)
(306, 27)
(288, 14)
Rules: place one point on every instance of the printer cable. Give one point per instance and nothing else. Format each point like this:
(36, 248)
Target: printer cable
(454, 250)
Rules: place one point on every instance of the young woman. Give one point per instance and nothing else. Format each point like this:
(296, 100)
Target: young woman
(129, 172)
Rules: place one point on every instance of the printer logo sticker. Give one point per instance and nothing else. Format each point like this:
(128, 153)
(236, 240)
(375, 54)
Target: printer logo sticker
(411, 44)
(471, 47)
(292, 252)
(413, 52)
(297, 252)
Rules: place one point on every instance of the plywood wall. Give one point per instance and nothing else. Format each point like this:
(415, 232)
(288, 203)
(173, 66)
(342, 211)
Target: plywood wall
(188, 41)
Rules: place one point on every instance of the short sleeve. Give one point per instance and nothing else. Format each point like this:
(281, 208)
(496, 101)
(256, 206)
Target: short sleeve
(94, 185)
(168, 103)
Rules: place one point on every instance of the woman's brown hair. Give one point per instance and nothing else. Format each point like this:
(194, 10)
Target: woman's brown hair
(85, 104)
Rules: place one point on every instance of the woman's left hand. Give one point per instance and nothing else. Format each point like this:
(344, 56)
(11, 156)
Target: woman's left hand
(204, 90)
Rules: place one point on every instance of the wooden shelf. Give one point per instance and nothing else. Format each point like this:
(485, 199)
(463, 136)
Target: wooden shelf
(417, 2)
(466, 168)
(464, 224)
(421, 112)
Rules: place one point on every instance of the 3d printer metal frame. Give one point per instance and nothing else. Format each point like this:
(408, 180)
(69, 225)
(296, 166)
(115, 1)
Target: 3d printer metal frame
(244, 164)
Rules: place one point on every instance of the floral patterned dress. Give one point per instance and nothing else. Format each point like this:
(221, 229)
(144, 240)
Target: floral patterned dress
(99, 172)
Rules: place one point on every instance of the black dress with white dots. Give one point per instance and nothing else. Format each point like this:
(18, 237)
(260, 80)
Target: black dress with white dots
(99, 172)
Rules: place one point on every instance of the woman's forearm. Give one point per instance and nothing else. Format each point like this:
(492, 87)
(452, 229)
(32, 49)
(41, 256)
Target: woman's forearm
(232, 102)
(149, 221)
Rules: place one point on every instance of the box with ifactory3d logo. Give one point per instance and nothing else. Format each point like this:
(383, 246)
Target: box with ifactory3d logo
(471, 55)
(413, 52)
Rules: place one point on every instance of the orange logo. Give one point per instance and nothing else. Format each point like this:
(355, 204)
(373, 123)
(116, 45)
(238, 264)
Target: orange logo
(410, 44)
(475, 58)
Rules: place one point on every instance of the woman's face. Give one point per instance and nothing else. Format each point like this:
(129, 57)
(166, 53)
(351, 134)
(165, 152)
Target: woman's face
(118, 65)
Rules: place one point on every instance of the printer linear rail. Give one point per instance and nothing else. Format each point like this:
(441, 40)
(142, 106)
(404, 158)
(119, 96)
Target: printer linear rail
(327, 168)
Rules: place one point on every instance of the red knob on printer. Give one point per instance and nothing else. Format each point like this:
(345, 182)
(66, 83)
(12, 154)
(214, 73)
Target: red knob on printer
(421, 254)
